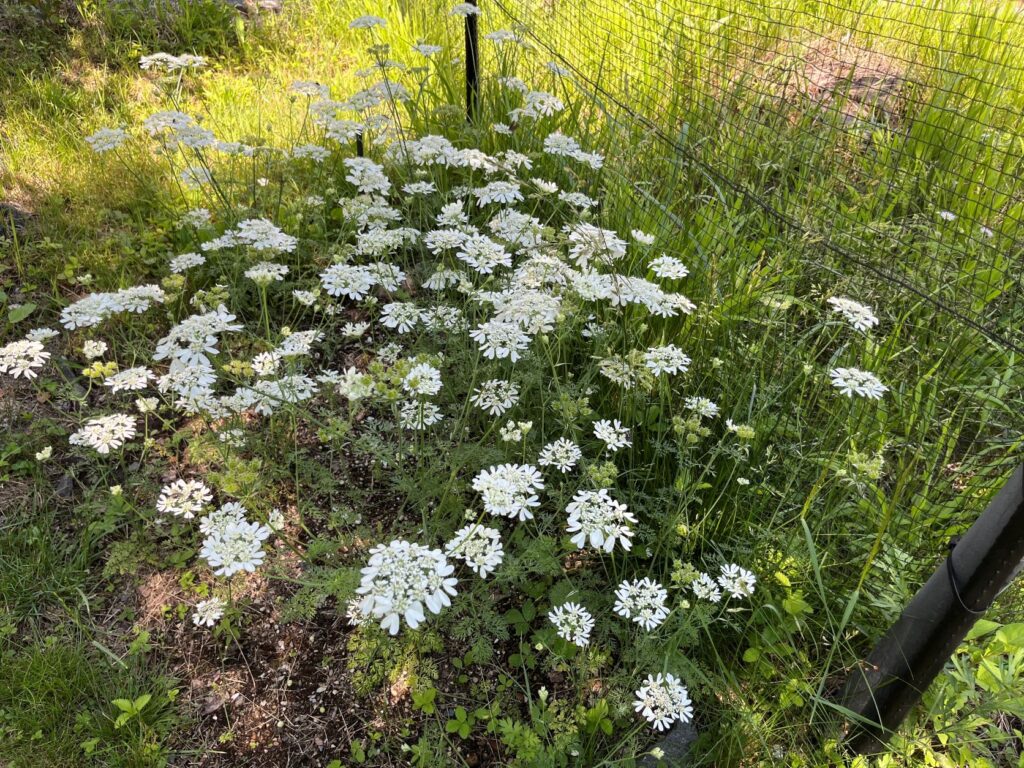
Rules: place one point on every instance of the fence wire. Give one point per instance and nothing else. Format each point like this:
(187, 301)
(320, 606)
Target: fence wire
(876, 144)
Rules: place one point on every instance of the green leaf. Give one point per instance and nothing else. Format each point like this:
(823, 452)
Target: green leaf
(751, 655)
(1012, 634)
(125, 705)
(17, 314)
(982, 628)
(141, 702)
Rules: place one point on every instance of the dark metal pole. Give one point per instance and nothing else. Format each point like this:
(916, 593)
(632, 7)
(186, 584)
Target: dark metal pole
(360, 149)
(886, 686)
(472, 66)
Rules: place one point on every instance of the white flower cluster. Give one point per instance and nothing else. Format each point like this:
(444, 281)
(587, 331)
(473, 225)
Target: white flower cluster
(596, 517)
(737, 582)
(266, 272)
(495, 396)
(479, 546)
(562, 454)
(105, 433)
(573, 623)
(643, 601)
(400, 580)
(107, 139)
(233, 543)
(170, 63)
(853, 381)
(129, 380)
(97, 307)
(860, 316)
(612, 434)
(208, 612)
(509, 490)
(258, 234)
(22, 358)
(184, 498)
(663, 700)
(668, 359)
(186, 261)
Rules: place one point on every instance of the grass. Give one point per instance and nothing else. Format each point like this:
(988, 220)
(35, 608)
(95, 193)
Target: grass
(774, 199)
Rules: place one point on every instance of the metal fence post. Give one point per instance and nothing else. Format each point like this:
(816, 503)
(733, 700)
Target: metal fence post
(472, 66)
(885, 687)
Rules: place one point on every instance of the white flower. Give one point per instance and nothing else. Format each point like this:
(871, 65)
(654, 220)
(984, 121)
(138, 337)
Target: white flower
(853, 381)
(515, 431)
(668, 268)
(400, 580)
(573, 623)
(22, 358)
(860, 316)
(465, 9)
(403, 316)
(479, 546)
(106, 139)
(41, 334)
(236, 546)
(354, 330)
(427, 50)
(275, 520)
(499, 339)
(667, 359)
(367, 176)
(305, 298)
(266, 272)
(495, 396)
(544, 186)
(221, 519)
(184, 498)
(506, 192)
(186, 261)
(313, 152)
(483, 254)
(422, 380)
(208, 612)
(738, 582)
(367, 22)
(146, 404)
(612, 433)
(420, 188)
(947, 215)
(643, 601)
(509, 490)
(45, 453)
(642, 237)
(171, 63)
(561, 454)
(596, 517)
(352, 282)
(703, 407)
(663, 700)
(259, 234)
(92, 349)
(196, 218)
(129, 380)
(105, 433)
(418, 415)
(705, 588)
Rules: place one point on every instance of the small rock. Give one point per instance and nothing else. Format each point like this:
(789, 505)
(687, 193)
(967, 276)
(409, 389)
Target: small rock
(675, 745)
(65, 487)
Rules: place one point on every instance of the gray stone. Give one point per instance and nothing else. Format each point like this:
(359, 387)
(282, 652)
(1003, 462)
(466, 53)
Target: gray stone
(675, 744)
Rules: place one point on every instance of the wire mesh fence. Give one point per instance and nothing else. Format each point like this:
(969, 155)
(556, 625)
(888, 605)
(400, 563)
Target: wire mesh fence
(805, 150)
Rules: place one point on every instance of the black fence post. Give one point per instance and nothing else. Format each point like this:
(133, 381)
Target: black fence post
(885, 687)
(472, 66)
(360, 147)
